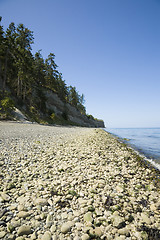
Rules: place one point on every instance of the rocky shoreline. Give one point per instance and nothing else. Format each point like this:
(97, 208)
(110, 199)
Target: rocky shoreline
(74, 183)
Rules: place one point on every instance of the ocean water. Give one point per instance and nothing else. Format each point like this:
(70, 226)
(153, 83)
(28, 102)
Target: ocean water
(145, 140)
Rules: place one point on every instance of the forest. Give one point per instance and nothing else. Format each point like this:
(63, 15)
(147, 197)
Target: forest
(26, 74)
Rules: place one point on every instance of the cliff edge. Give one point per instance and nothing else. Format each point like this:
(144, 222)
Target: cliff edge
(55, 104)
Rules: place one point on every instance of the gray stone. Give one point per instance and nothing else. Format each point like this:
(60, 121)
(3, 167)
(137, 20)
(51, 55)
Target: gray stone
(53, 228)
(20, 238)
(11, 237)
(49, 220)
(88, 217)
(66, 227)
(10, 227)
(24, 230)
(46, 236)
(23, 214)
(145, 218)
(123, 231)
(41, 201)
(117, 220)
(2, 234)
(98, 232)
(5, 197)
(34, 236)
(85, 237)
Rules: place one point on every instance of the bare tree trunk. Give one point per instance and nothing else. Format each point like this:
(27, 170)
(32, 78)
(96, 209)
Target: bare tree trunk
(18, 86)
(24, 92)
(21, 87)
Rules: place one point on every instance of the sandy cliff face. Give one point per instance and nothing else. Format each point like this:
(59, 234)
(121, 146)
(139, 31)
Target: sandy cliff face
(55, 104)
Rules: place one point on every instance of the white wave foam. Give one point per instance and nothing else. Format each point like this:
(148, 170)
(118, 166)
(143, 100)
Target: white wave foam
(152, 162)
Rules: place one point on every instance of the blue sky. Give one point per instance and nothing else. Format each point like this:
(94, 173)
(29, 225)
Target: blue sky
(108, 49)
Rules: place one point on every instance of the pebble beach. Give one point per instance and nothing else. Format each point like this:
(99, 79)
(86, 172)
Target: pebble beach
(74, 183)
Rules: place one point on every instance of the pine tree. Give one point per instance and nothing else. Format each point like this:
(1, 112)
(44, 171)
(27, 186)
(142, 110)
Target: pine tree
(24, 56)
(1, 54)
(26, 74)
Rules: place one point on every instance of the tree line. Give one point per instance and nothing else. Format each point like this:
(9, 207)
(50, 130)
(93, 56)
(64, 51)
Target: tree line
(26, 74)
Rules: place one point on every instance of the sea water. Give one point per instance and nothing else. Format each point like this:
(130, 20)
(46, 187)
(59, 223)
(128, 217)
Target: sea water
(144, 140)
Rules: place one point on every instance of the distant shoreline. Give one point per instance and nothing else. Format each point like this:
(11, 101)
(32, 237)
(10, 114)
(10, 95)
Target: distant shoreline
(149, 158)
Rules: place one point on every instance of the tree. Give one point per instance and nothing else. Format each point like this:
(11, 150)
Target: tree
(73, 97)
(81, 106)
(39, 69)
(1, 53)
(10, 59)
(62, 88)
(26, 75)
(51, 72)
(24, 39)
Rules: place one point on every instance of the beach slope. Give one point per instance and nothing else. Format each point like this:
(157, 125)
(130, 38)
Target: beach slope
(74, 183)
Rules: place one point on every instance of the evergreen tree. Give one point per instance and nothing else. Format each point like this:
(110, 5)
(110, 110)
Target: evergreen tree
(11, 58)
(24, 40)
(26, 74)
(39, 69)
(51, 72)
(1, 54)
(73, 97)
(62, 88)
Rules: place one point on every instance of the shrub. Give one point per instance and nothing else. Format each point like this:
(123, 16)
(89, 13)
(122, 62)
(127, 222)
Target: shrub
(90, 116)
(33, 110)
(7, 104)
(53, 116)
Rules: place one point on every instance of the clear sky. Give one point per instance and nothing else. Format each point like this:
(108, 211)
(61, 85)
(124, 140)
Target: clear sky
(108, 49)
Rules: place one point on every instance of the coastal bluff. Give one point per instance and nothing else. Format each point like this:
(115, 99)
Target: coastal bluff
(54, 103)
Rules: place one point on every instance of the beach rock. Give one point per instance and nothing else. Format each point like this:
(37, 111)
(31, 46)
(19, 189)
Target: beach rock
(123, 231)
(11, 237)
(49, 220)
(41, 201)
(117, 221)
(97, 232)
(145, 218)
(34, 236)
(24, 230)
(2, 234)
(85, 237)
(73, 183)
(5, 197)
(66, 227)
(20, 238)
(10, 227)
(23, 214)
(88, 217)
(153, 207)
(78, 226)
(120, 238)
(46, 236)
(119, 189)
(53, 228)
(77, 238)
(54, 237)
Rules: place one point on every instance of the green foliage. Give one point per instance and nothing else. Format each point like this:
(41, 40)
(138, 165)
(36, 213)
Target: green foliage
(7, 104)
(53, 117)
(90, 116)
(32, 109)
(27, 74)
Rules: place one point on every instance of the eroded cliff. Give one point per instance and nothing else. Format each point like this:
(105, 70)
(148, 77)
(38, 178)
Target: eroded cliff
(55, 104)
